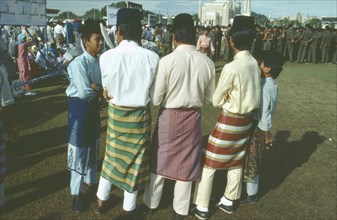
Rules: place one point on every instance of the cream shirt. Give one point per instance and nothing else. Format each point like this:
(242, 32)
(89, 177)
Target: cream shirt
(128, 72)
(185, 79)
(238, 89)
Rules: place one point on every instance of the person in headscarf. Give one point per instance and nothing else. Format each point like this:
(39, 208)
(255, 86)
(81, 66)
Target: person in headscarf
(127, 73)
(84, 114)
(238, 94)
(23, 60)
(184, 82)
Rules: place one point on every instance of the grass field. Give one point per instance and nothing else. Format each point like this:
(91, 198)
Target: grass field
(298, 180)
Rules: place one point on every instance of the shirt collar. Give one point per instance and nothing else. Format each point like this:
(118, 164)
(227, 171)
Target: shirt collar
(124, 43)
(241, 54)
(267, 79)
(89, 57)
(185, 47)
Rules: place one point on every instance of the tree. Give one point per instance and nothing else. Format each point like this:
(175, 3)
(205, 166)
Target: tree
(314, 22)
(67, 15)
(260, 19)
(93, 13)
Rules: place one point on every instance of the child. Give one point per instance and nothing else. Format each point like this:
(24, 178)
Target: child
(271, 65)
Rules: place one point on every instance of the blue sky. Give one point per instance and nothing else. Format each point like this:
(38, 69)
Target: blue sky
(270, 8)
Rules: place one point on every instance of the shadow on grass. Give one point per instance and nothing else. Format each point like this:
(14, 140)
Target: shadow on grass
(33, 148)
(286, 156)
(43, 187)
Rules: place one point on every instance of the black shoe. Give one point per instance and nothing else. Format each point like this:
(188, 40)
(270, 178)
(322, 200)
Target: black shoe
(99, 209)
(199, 214)
(176, 216)
(128, 215)
(78, 203)
(225, 208)
(250, 199)
(146, 210)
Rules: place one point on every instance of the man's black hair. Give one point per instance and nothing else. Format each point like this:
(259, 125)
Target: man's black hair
(183, 29)
(243, 38)
(88, 28)
(130, 31)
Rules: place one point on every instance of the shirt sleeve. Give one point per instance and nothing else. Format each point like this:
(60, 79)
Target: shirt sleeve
(224, 87)
(158, 89)
(265, 122)
(198, 43)
(210, 89)
(78, 76)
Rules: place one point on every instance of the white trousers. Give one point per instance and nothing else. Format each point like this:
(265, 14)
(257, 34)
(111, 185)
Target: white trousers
(203, 187)
(103, 193)
(182, 194)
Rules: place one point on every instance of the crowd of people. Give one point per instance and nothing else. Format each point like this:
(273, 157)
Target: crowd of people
(131, 78)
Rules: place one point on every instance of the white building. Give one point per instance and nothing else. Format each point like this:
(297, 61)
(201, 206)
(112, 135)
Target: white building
(298, 16)
(219, 12)
(247, 8)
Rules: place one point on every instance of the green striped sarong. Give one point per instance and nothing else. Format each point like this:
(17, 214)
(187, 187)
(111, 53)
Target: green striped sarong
(126, 160)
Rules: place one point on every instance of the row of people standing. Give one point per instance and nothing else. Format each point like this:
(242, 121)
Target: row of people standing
(299, 44)
(130, 77)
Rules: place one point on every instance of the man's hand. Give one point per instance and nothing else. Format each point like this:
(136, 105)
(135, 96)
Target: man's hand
(106, 95)
(267, 140)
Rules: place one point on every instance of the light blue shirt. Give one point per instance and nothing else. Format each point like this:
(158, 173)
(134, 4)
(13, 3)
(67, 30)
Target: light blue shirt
(83, 71)
(127, 73)
(269, 96)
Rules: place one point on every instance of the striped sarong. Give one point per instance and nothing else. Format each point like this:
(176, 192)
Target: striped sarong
(227, 143)
(126, 160)
(176, 146)
(2, 152)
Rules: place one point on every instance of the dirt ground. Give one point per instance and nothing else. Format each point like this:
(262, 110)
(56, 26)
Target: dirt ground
(298, 180)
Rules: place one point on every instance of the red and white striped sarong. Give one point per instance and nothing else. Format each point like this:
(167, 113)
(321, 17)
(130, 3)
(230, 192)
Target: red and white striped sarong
(228, 141)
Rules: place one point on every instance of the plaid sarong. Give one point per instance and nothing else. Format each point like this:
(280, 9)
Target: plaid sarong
(126, 160)
(227, 143)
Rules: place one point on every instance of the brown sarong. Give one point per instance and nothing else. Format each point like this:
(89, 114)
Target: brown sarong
(176, 145)
(253, 162)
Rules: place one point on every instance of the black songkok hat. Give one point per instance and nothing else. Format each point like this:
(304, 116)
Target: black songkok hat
(243, 22)
(183, 21)
(90, 26)
(129, 16)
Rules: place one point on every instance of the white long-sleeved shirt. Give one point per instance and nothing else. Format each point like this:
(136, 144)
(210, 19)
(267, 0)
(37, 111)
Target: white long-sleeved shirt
(185, 79)
(127, 73)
